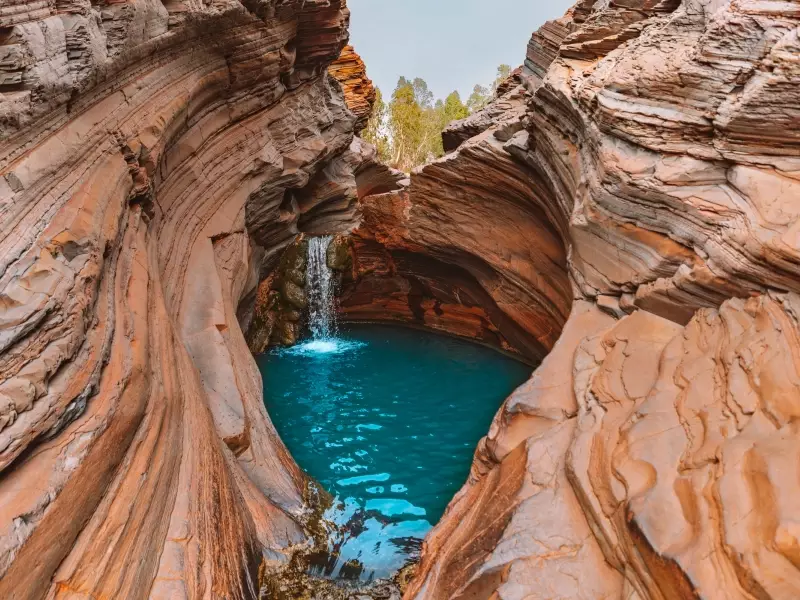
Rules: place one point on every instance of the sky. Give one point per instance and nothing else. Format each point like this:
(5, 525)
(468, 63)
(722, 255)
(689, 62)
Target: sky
(451, 44)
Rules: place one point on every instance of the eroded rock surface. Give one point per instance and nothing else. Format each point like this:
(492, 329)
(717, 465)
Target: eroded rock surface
(351, 72)
(653, 455)
(151, 155)
(469, 247)
(626, 210)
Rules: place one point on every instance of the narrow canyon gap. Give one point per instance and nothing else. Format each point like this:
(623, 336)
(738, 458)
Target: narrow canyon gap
(626, 211)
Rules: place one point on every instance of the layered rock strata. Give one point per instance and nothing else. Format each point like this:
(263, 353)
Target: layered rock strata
(272, 313)
(653, 455)
(360, 94)
(151, 159)
(472, 247)
(627, 210)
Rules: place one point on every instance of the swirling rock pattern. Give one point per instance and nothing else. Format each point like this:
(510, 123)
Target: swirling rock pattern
(653, 455)
(150, 154)
(626, 212)
(468, 247)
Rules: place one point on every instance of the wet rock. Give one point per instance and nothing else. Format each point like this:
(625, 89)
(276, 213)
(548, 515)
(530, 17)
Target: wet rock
(293, 294)
(285, 333)
(281, 301)
(338, 254)
(308, 572)
(352, 570)
(293, 266)
(294, 316)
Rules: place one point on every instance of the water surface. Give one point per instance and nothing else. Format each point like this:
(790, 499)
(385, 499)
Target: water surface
(387, 420)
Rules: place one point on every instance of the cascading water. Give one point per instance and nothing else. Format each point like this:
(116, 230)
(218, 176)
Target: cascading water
(319, 290)
(321, 295)
(386, 420)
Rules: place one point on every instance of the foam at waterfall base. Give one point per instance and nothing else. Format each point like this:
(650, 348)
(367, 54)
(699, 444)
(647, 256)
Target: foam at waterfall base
(386, 420)
(322, 347)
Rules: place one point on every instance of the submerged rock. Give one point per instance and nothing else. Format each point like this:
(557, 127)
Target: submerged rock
(306, 574)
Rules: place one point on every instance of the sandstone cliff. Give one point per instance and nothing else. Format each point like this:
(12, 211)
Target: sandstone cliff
(469, 248)
(627, 211)
(154, 157)
(631, 206)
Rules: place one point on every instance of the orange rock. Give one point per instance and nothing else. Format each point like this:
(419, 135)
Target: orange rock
(658, 438)
(626, 211)
(142, 188)
(359, 93)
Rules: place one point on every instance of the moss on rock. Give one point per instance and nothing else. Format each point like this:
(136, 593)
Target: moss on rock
(281, 301)
(294, 295)
(339, 254)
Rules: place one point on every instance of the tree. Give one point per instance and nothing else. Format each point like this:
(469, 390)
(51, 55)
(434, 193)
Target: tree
(479, 98)
(422, 94)
(454, 109)
(503, 71)
(408, 131)
(406, 127)
(376, 131)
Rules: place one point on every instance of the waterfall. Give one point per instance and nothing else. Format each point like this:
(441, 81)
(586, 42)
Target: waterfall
(319, 289)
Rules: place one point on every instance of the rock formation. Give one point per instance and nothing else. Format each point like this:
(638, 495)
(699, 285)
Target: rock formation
(467, 248)
(627, 212)
(359, 93)
(151, 159)
(653, 455)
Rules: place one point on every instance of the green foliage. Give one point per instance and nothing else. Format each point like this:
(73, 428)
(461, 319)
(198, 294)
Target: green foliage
(422, 94)
(408, 125)
(503, 71)
(454, 109)
(376, 132)
(479, 98)
(407, 131)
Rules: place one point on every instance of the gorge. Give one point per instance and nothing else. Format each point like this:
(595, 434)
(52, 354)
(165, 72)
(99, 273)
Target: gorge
(385, 420)
(625, 214)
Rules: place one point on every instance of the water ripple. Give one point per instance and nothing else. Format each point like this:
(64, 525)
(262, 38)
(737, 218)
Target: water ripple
(386, 419)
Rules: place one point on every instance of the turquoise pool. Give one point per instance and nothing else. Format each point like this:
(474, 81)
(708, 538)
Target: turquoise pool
(387, 420)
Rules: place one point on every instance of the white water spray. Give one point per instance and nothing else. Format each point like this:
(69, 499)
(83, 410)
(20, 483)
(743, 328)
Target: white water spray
(320, 290)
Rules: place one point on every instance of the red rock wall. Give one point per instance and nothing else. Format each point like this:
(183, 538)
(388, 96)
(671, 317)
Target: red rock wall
(416, 264)
(359, 93)
(146, 150)
(628, 212)
(471, 247)
(653, 455)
